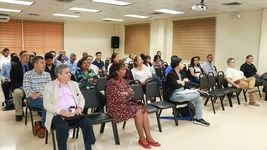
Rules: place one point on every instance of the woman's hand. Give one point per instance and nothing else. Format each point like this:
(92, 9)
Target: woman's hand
(181, 82)
(186, 80)
(66, 113)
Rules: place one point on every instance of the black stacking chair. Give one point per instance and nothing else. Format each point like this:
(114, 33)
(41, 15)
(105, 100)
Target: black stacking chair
(229, 91)
(152, 91)
(159, 72)
(101, 83)
(212, 95)
(139, 95)
(92, 101)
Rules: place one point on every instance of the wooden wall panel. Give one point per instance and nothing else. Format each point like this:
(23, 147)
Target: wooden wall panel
(194, 37)
(137, 39)
(11, 35)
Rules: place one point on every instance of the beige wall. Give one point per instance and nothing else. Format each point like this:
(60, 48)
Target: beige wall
(89, 37)
(262, 63)
(237, 38)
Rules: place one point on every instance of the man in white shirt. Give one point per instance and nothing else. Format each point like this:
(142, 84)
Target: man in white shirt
(237, 79)
(4, 57)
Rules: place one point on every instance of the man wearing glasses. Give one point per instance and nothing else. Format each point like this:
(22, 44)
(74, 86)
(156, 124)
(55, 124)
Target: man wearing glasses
(237, 79)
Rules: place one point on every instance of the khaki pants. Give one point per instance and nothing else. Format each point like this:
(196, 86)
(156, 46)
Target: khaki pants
(18, 95)
(249, 84)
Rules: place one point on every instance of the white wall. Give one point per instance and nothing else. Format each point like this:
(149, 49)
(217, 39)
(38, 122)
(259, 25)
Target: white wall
(262, 63)
(89, 37)
(237, 38)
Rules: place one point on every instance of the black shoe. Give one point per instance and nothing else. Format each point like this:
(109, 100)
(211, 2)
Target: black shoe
(19, 118)
(201, 122)
(8, 108)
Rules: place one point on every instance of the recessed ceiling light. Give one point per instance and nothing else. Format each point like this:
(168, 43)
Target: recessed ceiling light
(18, 2)
(84, 9)
(136, 16)
(113, 2)
(66, 15)
(169, 11)
(10, 10)
(112, 19)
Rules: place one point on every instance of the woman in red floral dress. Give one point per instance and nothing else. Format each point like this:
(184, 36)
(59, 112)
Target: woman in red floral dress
(120, 108)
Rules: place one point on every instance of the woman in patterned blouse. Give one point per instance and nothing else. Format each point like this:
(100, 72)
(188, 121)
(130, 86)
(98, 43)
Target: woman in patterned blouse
(85, 74)
(121, 108)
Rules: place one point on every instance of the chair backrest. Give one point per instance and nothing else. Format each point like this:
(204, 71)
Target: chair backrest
(211, 80)
(152, 89)
(90, 97)
(221, 83)
(101, 83)
(204, 83)
(138, 90)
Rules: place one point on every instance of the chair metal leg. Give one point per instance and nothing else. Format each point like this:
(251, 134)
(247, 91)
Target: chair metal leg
(174, 117)
(102, 127)
(221, 99)
(53, 140)
(160, 111)
(124, 124)
(230, 99)
(115, 133)
(77, 133)
(158, 121)
(212, 103)
(205, 104)
(32, 121)
(73, 134)
(26, 116)
(46, 136)
(237, 97)
(259, 91)
(245, 96)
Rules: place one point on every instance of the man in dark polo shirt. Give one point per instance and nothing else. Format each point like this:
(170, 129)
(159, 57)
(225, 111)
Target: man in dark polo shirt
(251, 71)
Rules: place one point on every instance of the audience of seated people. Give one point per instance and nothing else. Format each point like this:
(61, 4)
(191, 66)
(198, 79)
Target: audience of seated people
(33, 86)
(237, 79)
(16, 80)
(59, 96)
(208, 66)
(121, 108)
(71, 63)
(5, 81)
(176, 91)
(194, 70)
(49, 65)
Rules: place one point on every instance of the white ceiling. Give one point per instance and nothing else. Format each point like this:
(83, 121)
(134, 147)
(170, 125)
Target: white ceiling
(141, 7)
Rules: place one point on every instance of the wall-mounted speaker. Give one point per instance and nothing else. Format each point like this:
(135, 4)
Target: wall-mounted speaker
(115, 42)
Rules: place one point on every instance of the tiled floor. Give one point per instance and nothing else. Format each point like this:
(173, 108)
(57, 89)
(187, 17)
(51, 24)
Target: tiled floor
(242, 127)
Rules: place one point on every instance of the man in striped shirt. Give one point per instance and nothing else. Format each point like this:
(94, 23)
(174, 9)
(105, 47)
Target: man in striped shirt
(33, 85)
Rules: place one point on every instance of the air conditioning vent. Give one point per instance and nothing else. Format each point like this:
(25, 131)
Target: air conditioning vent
(65, 1)
(4, 18)
(232, 4)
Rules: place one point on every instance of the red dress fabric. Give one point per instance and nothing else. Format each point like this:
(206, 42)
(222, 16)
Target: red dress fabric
(118, 106)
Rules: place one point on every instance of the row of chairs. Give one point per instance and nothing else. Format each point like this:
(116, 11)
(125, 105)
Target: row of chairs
(217, 88)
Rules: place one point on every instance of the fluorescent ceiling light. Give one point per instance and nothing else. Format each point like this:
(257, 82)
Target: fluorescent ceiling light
(85, 9)
(136, 16)
(10, 10)
(112, 19)
(66, 15)
(169, 11)
(113, 2)
(18, 2)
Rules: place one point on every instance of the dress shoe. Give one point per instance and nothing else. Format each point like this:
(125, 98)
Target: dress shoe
(146, 146)
(19, 118)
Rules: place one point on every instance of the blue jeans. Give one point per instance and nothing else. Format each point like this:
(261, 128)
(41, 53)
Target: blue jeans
(38, 103)
(183, 95)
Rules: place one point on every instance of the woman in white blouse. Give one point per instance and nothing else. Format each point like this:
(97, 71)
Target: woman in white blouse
(140, 71)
